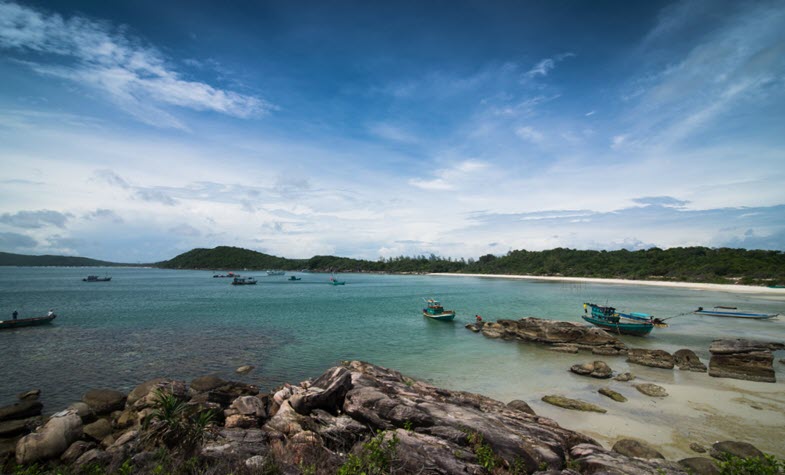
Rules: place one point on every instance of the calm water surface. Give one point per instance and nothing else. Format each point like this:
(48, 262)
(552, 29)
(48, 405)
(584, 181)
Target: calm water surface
(148, 323)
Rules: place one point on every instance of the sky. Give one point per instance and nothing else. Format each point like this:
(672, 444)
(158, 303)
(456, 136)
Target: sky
(134, 131)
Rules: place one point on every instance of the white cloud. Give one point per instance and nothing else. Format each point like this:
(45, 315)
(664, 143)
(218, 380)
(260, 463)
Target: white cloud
(546, 65)
(529, 134)
(135, 76)
(450, 178)
(392, 133)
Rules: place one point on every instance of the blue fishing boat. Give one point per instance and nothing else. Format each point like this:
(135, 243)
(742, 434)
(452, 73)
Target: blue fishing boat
(733, 312)
(435, 311)
(95, 278)
(611, 320)
(334, 281)
(243, 281)
(293, 278)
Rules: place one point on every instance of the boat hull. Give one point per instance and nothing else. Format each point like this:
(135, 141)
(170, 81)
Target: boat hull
(25, 322)
(751, 316)
(442, 317)
(633, 329)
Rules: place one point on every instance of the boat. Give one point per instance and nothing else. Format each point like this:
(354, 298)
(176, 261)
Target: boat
(243, 281)
(435, 311)
(95, 278)
(26, 322)
(334, 281)
(223, 276)
(276, 272)
(609, 319)
(293, 278)
(722, 311)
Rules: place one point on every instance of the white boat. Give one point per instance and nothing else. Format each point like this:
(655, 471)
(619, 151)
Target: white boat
(733, 312)
(276, 272)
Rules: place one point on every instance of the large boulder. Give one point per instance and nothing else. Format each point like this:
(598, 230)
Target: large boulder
(597, 369)
(554, 332)
(700, 466)
(98, 430)
(743, 359)
(326, 393)
(21, 410)
(17, 427)
(51, 440)
(721, 450)
(143, 390)
(636, 448)
(653, 358)
(206, 383)
(104, 401)
(687, 360)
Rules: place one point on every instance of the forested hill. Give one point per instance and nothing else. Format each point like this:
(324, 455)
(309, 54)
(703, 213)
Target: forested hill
(690, 264)
(8, 259)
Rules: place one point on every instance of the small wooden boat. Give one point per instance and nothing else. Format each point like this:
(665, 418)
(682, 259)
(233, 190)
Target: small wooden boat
(224, 276)
(293, 278)
(95, 278)
(26, 322)
(435, 311)
(276, 272)
(243, 281)
(334, 281)
(633, 323)
(722, 311)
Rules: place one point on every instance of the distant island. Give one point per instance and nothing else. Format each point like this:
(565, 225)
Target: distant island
(680, 264)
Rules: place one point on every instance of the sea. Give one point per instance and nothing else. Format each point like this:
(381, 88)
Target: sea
(147, 323)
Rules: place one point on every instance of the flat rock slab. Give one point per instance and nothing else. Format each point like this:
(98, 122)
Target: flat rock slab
(652, 390)
(573, 404)
(554, 332)
(618, 397)
(597, 369)
(594, 459)
(748, 360)
(636, 448)
(687, 360)
(21, 410)
(104, 401)
(652, 358)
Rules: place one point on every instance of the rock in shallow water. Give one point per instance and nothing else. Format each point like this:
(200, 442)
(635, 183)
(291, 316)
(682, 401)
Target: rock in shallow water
(687, 360)
(652, 390)
(612, 394)
(573, 404)
(636, 448)
(652, 358)
(743, 359)
(597, 369)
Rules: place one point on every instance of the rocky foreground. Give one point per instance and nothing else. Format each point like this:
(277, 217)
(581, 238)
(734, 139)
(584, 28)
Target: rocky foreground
(353, 414)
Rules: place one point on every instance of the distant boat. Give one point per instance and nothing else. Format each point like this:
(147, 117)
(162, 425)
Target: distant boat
(633, 323)
(435, 311)
(228, 274)
(95, 278)
(334, 281)
(276, 272)
(721, 311)
(244, 281)
(26, 322)
(293, 278)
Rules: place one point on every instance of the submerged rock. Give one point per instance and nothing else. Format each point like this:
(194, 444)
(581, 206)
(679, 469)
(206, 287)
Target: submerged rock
(245, 369)
(652, 358)
(573, 404)
(624, 377)
(743, 359)
(597, 369)
(612, 394)
(31, 395)
(652, 390)
(686, 359)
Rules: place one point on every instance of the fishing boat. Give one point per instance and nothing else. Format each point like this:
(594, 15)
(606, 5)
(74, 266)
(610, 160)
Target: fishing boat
(293, 278)
(334, 281)
(26, 322)
(243, 281)
(95, 278)
(223, 276)
(435, 311)
(609, 319)
(276, 272)
(721, 311)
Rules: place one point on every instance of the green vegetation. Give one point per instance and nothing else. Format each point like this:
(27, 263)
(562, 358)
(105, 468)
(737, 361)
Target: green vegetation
(768, 465)
(8, 259)
(374, 458)
(485, 456)
(175, 425)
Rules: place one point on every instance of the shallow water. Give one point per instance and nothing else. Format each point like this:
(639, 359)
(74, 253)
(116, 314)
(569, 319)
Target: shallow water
(148, 323)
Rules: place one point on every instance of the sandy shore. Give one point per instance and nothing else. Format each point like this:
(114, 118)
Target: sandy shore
(739, 289)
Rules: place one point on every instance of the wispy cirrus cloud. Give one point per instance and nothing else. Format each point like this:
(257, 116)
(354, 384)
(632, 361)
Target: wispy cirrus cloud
(546, 65)
(447, 179)
(133, 75)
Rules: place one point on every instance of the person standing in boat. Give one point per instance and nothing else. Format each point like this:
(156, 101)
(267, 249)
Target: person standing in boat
(15, 314)
(51, 313)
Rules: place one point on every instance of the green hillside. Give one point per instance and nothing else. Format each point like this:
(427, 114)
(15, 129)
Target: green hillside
(8, 259)
(225, 257)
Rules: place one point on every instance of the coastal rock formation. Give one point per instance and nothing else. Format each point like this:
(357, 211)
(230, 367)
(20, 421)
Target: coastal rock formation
(700, 466)
(612, 394)
(624, 377)
(21, 410)
(31, 395)
(652, 358)
(104, 401)
(720, 450)
(573, 404)
(51, 440)
(636, 448)
(743, 359)
(687, 360)
(651, 389)
(522, 406)
(594, 459)
(245, 369)
(554, 332)
(597, 369)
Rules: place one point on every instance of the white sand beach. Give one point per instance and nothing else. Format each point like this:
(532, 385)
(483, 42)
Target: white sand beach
(740, 289)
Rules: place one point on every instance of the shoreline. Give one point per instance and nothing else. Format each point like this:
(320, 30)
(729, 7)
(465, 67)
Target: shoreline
(731, 288)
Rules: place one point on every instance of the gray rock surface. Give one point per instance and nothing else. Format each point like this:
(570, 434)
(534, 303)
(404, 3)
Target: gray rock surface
(522, 406)
(143, 390)
(104, 401)
(554, 332)
(574, 404)
(51, 440)
(15, 427)
(651, 389)
(636, 448)
(595, 459)
(206, 383)
(75, 450)
(596, 369)
(700, 466)
(743, 359)
(21, 410)
(98, 430)
(612, 394)
(687, 360)
(652, 358)
(624, 377)
(720, 450)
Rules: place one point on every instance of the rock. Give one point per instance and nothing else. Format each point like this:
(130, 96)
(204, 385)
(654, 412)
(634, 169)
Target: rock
(554, 332)
(83, 410)
(696, 447)
(104, 401)
(21, 410)
(743, 359)
(472, 327)
(414, 449)
(652, 390)
(686, 359)
(700, 466)
(249, 406)
(573, 404)
(245, 369)
(635, 448)
(76, 450)
(107, 441)
(51, 440)
(31, 395)
(255, 462)
(522, 406)
(206, 383)
(326, 393)
(589, 458)
(565, 348)
(141, 391)
(123, 442)
(229, 391)
(17, 427)
(624, 377)
(240, 420)
(720, 450)
(597, 369)
(126, 419)
(608, 351)
(93, 457)
(652, 358)
(98, 429)
(612, 394)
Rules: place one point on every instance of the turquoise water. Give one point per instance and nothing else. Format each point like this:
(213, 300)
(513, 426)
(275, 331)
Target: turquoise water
(148, 323)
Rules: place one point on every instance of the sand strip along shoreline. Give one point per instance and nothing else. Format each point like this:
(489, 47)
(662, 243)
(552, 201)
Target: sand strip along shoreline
(740, 289)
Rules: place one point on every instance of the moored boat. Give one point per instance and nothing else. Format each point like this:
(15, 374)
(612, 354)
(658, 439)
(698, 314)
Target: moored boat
(276, 272)
(334, 281)
(609, 319)
(293, 278)
(26, 322)
(95, 278)
(722, 311)
(227, 275)
(243, 281)
(436, 311)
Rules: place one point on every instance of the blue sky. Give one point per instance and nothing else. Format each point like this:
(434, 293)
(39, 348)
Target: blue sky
(133, 131)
